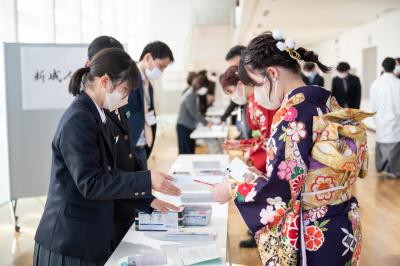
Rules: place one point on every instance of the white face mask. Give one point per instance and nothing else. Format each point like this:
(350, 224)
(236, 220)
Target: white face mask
(261, 96)
(114, 100)
(343, 75)
(309, 74)
(202, 91)
(396, 70)
(238, 96)
(154, 73)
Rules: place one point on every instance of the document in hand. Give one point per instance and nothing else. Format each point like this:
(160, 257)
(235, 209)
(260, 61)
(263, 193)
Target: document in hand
(239, 171)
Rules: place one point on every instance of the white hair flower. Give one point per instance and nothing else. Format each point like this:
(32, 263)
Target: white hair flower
(281, 46)
(277, 34)
(290, 43)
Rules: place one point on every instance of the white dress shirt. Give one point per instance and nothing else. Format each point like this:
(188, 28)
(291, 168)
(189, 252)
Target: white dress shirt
(385, 100)
(101, 112)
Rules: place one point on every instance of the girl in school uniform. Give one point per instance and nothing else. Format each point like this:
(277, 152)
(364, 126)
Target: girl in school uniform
(77, 224)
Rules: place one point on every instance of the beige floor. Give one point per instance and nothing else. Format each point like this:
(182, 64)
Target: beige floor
(379, 199)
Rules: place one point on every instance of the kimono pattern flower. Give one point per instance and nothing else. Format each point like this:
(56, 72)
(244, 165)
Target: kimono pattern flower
(320, 229)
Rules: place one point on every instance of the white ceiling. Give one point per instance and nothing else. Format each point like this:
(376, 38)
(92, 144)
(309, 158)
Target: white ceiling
(309, 21)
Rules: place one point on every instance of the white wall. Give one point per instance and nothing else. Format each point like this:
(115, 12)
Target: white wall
(383, 33)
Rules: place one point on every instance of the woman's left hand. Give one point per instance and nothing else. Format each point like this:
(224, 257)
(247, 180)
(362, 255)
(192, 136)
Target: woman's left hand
(221, 192)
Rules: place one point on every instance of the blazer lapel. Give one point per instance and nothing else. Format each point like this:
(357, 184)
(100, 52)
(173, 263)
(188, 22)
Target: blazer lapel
(105, 132)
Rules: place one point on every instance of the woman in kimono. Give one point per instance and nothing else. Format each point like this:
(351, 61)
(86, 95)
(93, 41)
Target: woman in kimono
(258, 118)
(302, 210)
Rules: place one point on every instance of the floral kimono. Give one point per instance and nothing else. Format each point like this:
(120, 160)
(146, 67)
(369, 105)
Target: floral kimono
(258, 118)
(303, 211)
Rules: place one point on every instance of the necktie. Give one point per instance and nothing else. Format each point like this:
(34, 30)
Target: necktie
(148, 133)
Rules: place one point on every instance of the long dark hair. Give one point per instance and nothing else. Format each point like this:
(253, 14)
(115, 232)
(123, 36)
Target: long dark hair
(262, 52)
(114, 62)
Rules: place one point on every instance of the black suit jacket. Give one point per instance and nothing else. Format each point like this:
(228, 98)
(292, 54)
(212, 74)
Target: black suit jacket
(84, 182)
(134, 111)
(347, 98)
(318, 80)
(124, 209)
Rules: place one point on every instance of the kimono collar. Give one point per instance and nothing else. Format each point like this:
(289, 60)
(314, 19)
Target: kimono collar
(315, 94)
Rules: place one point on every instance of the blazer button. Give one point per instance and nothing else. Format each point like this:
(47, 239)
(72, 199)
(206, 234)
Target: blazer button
(136, 194)
(126, 137)
(143, 193)
(130, 155)
(109, 168)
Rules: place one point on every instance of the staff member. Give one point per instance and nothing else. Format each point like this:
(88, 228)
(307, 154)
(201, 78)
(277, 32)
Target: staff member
(155, 58)
(124, 209)
(189, 115)
(77, 224)
(346, 88)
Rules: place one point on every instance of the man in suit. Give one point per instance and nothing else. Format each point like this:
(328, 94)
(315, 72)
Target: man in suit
(346, 88)
(310, 75)
(140, 111)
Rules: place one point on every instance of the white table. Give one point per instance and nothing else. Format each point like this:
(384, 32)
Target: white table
(214, 137)
(135, 241)
(216, 110)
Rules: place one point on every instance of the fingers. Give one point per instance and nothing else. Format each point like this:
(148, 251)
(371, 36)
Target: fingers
(168, 177)
(171, 189)
(171, 206)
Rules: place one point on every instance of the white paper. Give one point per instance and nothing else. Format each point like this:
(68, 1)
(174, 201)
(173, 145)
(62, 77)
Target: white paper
(197, 254)
(151, 118)
(239, 171)
(45, 75)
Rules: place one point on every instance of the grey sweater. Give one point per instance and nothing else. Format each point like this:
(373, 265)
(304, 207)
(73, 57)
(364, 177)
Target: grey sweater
(189, 114)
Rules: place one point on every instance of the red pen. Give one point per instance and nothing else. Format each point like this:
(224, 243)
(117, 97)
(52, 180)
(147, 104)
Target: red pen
(205, 183)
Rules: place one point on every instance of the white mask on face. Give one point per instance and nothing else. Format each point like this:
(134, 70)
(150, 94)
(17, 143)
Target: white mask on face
(153, 74)
(261, 96)
(238, 96)
(343, 75)
(396, 70)
(202, 91)
(114, 100)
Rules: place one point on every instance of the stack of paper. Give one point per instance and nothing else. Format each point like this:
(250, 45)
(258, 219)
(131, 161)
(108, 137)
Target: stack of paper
(196, 215)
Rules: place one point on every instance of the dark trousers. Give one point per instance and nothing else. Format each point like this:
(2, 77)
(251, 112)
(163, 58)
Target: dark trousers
(185, 143)
(140, 154)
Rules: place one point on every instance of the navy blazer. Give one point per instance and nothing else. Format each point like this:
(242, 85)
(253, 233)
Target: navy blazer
(124, 209)
(84, 182)
(134, 111)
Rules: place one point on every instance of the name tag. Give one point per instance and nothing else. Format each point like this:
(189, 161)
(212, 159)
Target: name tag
(151, 118)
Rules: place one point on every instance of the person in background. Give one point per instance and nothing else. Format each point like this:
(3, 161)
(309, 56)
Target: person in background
(257, 118)
(189, 80)
(232, 58)
(302, 210)
(77, 226)
(310, 75)
(396, 70)
(140, 111)
(189, 115)
(346, 88)
(207, 99)
(385, 95)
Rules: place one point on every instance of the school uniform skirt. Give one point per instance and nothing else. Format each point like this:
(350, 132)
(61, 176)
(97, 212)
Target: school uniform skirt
(45, 257)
